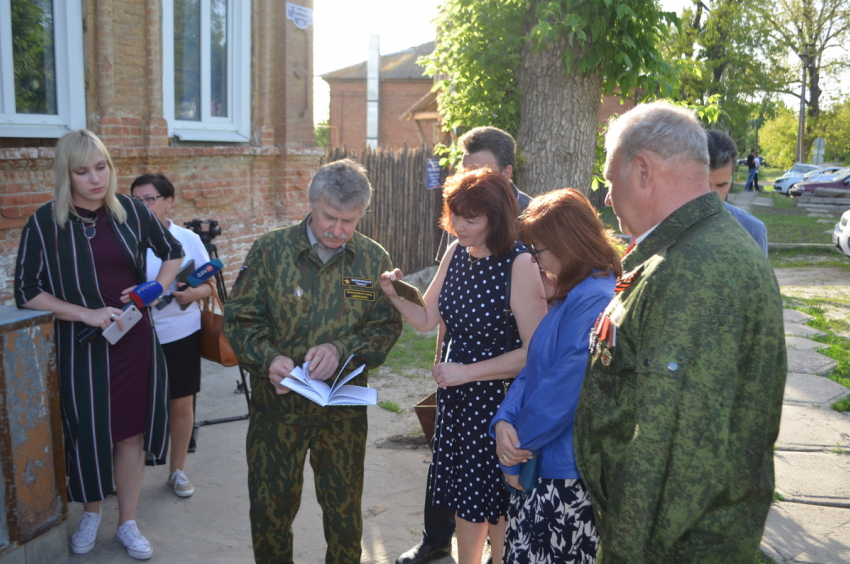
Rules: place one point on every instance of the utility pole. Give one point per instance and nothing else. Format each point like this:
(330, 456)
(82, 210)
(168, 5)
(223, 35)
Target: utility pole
(801, 128)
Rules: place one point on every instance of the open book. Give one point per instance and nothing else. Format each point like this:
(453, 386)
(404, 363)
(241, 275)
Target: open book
(336, 394)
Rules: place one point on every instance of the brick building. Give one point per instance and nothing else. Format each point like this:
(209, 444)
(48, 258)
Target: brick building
(402, 84)
(218, 97)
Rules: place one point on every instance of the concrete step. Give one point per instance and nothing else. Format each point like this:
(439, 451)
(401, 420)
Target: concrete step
(809, 428)
(802, 343)
(795, 329)
(810, 389)
(808, 361)
(816, 478)
(795, 316)
(807, 534)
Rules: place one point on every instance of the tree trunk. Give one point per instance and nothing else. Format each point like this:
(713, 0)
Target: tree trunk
(559, 120)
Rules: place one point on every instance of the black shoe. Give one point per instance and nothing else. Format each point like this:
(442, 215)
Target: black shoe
(422, 553)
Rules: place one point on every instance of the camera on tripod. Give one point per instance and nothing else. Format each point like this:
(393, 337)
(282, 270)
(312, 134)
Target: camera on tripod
(197, 225)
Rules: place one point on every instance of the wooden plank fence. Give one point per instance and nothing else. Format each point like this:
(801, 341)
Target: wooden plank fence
(403, 214)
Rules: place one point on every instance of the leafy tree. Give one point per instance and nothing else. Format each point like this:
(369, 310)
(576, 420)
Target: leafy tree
(834, 126)
(811, 29)
(32, 53)
(322, 133)
(727, 54)
(538, 69)
(778, 138)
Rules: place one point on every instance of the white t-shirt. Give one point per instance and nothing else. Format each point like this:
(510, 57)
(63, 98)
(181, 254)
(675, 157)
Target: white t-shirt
(171, 323)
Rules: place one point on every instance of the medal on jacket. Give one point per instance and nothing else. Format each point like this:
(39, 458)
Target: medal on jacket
(298, 292)
(626, 280)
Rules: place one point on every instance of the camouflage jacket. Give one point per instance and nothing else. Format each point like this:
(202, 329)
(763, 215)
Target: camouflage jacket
(287, 301)
(676, 422)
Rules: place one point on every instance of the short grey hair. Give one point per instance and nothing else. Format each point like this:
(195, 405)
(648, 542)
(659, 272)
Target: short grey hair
(722, 150)
(666, 130)
(343, 184)
(492, 139)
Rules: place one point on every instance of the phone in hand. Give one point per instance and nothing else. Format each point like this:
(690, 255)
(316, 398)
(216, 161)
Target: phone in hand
(409, 292)
(129, 318)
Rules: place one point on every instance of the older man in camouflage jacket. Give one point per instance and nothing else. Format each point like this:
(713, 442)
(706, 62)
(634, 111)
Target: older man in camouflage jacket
(309, 292)
(681, 404)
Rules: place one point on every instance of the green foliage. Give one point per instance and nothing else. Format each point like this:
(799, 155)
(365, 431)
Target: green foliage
(481, 44)
(391, 406)
(322, 133)
(778, 138)
(838, 348)
(834, 126)
(32, 53)
(842, 405)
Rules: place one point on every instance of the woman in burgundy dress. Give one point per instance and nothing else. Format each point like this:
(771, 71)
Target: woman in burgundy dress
(80, 256)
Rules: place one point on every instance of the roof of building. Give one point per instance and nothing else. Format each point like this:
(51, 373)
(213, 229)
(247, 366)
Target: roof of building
(395, 66)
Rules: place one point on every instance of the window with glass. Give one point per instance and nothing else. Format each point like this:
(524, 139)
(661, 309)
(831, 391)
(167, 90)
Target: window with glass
(207, 69)
(41, 72)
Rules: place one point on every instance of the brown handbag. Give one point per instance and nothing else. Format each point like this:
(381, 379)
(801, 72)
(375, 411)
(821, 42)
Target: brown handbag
(214, 345)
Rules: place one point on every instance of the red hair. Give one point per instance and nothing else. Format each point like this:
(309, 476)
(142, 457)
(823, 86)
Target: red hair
(483, 192)
(566, 223)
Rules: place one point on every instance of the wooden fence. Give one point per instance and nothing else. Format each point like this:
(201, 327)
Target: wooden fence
(403, 215)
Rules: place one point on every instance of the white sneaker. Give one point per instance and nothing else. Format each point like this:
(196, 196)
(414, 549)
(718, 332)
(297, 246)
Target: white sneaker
(82, 541)
(136, 544)
(182, 486)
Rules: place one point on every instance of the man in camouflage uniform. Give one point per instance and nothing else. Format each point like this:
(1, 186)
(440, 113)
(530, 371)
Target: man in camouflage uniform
(309, 292)
(680, 407)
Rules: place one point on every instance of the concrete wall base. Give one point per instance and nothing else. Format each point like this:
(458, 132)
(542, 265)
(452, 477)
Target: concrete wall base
(52, 546)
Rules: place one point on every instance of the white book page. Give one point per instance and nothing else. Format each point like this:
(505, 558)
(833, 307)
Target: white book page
(354, 395)
(323, 394)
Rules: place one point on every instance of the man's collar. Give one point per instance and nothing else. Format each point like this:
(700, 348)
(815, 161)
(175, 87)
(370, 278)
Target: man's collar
(666, 232)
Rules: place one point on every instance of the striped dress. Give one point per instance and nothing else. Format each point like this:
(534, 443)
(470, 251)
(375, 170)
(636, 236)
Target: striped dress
(60, 262)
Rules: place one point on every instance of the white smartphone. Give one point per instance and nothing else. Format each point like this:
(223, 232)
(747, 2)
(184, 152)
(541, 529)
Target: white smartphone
(129, 317)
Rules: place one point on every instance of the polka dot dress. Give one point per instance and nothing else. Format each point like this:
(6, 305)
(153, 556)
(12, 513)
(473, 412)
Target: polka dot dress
(465, 473)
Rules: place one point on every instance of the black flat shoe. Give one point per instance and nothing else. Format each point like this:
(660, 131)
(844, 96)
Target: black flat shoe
(422, 553)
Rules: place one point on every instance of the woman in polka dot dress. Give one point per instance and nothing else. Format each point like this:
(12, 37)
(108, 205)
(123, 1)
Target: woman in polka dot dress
(484, 349)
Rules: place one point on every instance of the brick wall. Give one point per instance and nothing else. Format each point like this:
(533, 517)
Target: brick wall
(348, 113)
(249, 188)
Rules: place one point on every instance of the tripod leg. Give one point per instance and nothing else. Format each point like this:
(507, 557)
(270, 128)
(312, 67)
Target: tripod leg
(245, 387)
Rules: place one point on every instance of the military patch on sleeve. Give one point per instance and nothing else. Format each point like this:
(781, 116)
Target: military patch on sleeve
(358, 294)
(239, 276)
(357, 282)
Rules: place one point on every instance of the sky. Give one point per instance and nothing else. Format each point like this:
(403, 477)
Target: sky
(341, 30)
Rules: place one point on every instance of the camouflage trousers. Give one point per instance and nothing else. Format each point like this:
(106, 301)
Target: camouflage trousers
(277, 446)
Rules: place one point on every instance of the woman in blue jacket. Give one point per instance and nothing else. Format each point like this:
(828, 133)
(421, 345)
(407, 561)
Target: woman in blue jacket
(553, 522)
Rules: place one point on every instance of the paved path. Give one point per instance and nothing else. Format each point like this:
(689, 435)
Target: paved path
(812, 524)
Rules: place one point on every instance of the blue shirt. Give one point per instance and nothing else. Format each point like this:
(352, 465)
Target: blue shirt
(541, 403)
(751, 223)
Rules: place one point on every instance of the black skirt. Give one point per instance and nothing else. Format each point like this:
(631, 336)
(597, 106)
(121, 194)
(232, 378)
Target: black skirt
(183, 359)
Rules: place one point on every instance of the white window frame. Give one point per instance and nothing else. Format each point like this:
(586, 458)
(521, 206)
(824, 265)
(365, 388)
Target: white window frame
(237, 126)
(70, 81)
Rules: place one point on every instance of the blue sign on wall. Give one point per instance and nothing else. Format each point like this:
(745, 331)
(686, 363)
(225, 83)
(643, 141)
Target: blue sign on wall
(432, 174)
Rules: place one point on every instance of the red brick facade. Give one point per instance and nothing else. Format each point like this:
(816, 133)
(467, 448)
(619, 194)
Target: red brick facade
(250, 188)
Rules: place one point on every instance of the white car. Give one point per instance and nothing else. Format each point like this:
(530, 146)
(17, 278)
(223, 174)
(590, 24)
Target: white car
(793, 176)
(841, 234)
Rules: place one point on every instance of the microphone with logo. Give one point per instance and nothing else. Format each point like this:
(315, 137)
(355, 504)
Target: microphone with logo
(141, 297)
(192, 280)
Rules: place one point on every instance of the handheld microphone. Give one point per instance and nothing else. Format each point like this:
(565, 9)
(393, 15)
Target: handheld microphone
(145, 294)
(205, 272)
(182, 281)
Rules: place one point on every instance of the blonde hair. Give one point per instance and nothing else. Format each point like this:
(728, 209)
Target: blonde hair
(74, 150)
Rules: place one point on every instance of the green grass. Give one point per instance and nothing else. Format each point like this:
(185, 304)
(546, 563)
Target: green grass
(779, 200)
(762, 558)
(812, 256)
(391, 406)
(413, 350)
(842, 405)
(793, 228)
(838, 348)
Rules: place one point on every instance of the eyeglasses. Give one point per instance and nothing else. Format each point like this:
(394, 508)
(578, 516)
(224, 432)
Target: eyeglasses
(536, 252)
(149, 200)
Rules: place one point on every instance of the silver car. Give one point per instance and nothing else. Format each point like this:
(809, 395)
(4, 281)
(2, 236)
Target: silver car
(794, 175)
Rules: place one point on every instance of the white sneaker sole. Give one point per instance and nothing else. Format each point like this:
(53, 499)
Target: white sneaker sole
(184, 494)
(82, 549)
(135, 553)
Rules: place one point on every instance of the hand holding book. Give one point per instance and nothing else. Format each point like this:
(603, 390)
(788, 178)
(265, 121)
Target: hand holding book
(336, 394)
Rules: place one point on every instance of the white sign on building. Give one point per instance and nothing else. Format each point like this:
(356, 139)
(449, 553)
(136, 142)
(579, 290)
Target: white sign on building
(302, 17)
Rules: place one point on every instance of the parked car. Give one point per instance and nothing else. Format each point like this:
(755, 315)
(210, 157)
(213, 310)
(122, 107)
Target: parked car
(840, 181)
(792, 176)
(841, 234)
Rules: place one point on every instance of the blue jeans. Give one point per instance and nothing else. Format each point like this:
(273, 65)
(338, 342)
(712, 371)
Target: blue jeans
(753, 172)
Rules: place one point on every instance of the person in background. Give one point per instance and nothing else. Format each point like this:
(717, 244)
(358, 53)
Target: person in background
(681, 402)
(308, 292)
(722, 153)
(80, 256)
(484, 275)
(579, 263)
(757, 159)
(494, 149)
(179, 330)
